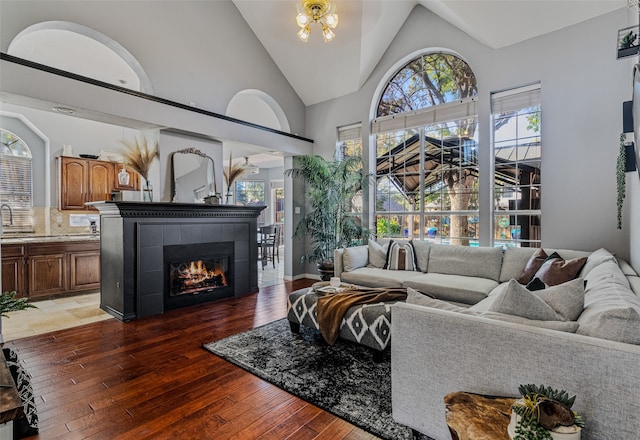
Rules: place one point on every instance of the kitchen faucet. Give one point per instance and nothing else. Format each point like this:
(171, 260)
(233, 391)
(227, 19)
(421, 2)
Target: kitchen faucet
(10, 214)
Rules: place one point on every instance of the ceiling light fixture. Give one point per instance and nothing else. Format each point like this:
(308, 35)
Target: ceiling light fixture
(317, 11)
(249, 167)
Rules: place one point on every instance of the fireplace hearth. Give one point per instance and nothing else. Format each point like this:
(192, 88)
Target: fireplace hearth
(197, 273)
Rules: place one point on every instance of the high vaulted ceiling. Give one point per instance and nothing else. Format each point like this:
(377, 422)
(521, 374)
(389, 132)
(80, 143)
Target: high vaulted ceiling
(321, 71)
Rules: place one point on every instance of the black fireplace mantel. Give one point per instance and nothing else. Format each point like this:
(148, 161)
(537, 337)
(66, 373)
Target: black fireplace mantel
(132, 238)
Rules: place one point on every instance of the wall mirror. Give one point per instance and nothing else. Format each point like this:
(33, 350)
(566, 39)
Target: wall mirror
(192, 176)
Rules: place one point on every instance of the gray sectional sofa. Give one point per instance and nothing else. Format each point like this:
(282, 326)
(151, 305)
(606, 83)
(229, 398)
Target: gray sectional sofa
(453, 332)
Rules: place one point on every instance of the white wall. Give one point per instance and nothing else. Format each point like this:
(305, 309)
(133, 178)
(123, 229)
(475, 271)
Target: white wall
(200, 51)
(583, 87)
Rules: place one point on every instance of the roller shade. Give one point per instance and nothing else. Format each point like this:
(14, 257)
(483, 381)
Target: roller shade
(450, 111)
(515, 99)
(349, 132)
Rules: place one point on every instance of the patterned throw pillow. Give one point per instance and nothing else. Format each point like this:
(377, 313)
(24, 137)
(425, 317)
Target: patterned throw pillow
(401, 257)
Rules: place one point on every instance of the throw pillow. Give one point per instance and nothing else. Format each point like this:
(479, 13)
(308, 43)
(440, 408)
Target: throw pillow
(377, 254)
(517, 300)
(354, 257)
(421, 248)
(532, 266)
(566, 299)
(401, 257)
(555, 270)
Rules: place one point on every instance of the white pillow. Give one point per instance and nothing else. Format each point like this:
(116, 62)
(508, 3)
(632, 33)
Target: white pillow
(354, 257)
(377, 254)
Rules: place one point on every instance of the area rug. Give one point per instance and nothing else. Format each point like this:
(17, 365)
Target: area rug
(342, 379)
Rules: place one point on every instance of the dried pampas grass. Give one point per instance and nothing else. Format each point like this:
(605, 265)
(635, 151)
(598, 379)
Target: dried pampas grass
(139, 155)
(232, 173)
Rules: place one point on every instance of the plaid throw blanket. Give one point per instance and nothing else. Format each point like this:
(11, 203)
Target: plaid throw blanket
(332, 308)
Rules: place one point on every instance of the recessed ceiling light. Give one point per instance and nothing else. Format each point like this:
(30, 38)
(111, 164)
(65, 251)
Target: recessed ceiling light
(64, 110)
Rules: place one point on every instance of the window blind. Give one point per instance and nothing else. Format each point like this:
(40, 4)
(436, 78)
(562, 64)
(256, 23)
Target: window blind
(515, 99)
(16, 193)
(349, 132)
(450, 111)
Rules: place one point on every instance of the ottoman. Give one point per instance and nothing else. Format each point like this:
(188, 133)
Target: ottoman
(365, 324)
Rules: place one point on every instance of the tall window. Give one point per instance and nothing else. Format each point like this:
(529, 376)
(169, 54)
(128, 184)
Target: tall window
(16, 190)
(349, 141)
(517, 147)
(251, 193)
(426, 152)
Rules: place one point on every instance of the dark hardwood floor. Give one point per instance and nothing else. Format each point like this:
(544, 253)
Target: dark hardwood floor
(151, 379)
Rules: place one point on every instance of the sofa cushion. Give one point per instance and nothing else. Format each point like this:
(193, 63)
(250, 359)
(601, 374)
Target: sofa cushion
(518, 301)
(401, 256)
(556, 270)
(595, 259)
(611, 309)
(634, 282)
(516, 258)
(514, 261)
(532, 266)
(377, 254)
(355, 257)
(480, 262)
(374, 277)
(415, 297)
(421, 249)
(626, 268)
(458, 288)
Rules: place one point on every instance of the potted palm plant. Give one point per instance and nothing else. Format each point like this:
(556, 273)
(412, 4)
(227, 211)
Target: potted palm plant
(330, 186)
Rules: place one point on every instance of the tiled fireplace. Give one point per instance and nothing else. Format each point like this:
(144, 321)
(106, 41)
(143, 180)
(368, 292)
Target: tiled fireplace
(161, 256)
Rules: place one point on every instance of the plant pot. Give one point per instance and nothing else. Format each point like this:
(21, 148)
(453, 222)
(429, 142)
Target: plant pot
(325, 269)
(560, 433)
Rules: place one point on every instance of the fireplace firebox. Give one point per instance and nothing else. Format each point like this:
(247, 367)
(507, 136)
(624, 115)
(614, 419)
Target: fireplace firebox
(197, 273)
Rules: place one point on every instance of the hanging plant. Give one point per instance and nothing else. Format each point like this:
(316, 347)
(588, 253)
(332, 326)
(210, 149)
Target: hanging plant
(621, 177)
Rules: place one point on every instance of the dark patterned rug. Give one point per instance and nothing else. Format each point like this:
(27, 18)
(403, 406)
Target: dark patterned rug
(342, 379)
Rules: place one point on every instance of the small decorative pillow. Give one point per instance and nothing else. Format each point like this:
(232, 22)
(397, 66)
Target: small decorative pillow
(566, 299)
(518, 301)
(377, 254)
(532, 266)
(555, 270)
(401, 257)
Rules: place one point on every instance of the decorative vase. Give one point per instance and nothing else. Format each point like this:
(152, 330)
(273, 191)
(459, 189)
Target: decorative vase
(228, 198)
(147, 191)
(572, 432)
(123, 177)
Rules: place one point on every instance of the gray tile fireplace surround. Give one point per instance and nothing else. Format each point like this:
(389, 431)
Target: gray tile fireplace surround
(132, 238)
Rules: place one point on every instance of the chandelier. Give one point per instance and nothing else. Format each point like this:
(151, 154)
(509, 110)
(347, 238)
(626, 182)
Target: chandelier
(317, 11)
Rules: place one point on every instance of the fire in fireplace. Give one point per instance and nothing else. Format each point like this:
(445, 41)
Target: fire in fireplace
(196, 276)
(197, 273)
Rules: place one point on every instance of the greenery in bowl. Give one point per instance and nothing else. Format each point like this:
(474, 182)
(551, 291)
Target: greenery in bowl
(542, 409)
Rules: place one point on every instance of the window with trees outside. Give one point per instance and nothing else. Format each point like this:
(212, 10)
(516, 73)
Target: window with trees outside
(251, 193)
(350, 145)
(427, 152)
(517, 147)
(16, 190)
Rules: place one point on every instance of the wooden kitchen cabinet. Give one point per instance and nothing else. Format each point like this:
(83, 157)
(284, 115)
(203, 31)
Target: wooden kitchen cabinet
(134, 179)
(85, 180)
(43, 269)
(13, 269)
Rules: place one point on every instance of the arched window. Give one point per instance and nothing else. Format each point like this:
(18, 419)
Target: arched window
(426, 152)
(16, 193)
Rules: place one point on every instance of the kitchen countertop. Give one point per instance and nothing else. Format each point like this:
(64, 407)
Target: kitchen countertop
(30, 238)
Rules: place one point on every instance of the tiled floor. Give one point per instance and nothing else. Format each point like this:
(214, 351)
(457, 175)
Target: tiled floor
(57, 314)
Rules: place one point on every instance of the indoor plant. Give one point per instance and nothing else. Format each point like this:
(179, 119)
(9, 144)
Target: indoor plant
(9, 303)
(138, 156)
(621, 177)
(544, 413)
(329, 223)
